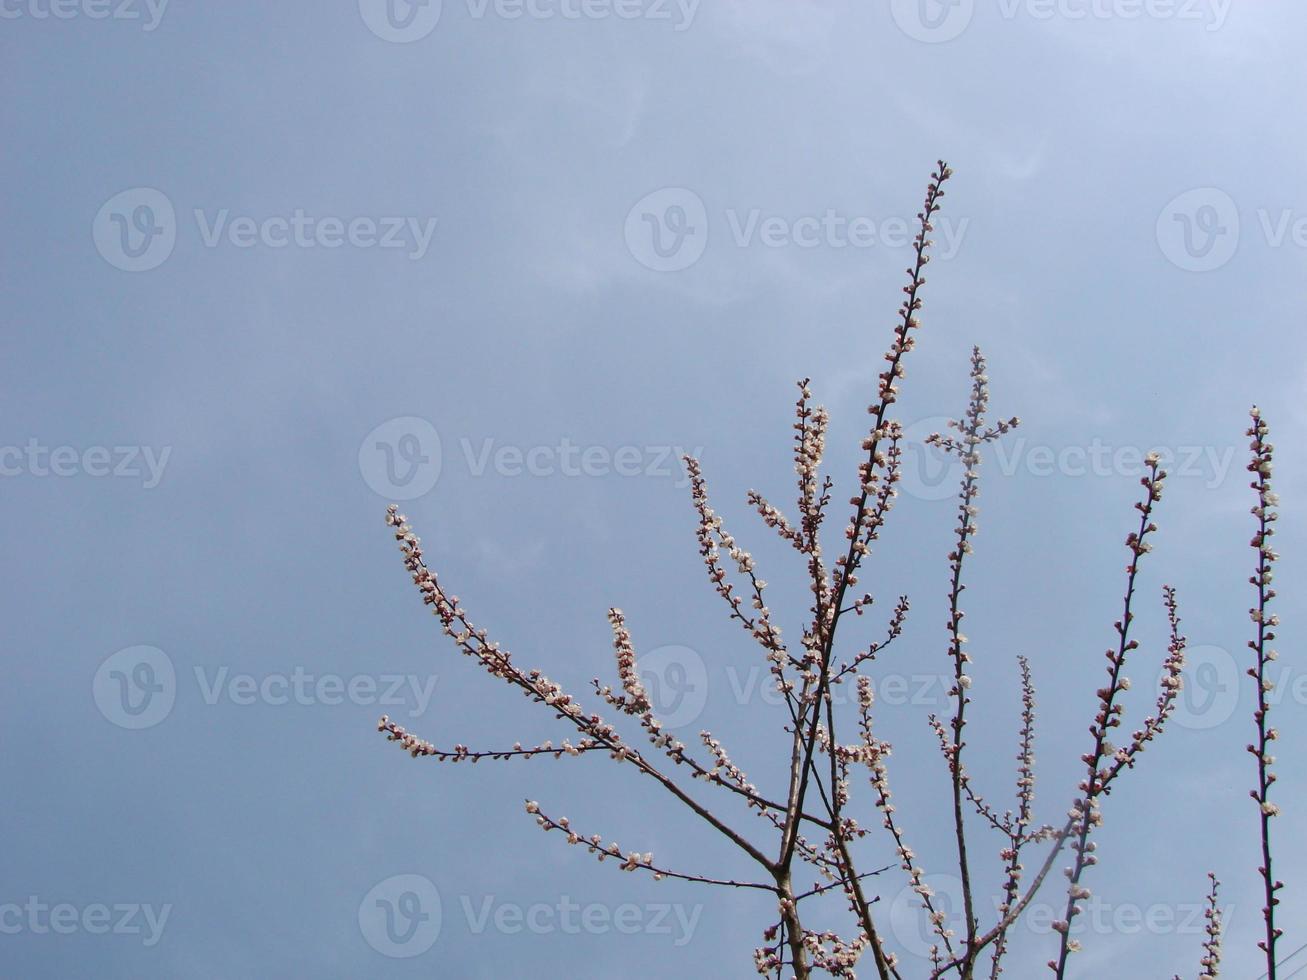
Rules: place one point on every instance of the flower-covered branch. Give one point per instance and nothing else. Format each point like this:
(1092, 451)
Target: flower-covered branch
(1266, 623)
(817, 786)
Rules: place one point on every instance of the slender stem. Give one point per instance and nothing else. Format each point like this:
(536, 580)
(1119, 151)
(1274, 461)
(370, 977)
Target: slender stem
(1108, 718)
(1261, 466)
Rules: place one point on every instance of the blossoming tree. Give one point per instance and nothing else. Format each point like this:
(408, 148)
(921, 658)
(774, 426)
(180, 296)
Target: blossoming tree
(812, 822)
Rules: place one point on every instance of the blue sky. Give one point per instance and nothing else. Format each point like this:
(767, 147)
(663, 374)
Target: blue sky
(266, 268)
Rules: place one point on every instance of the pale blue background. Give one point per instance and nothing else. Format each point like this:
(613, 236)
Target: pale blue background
(530, 320)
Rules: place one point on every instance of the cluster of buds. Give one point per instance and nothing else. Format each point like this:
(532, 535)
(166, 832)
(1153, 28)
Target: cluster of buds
(1211, 960)
(636, 702)
(631, 861)
(712, 538)
(893, 632)
(409, 742)
(903, 340)
(416, 746)
(775, 519)
(475, 643)
(877, 751)
(833, 954)
(724, 770)
(878, 475)
(810, 430)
